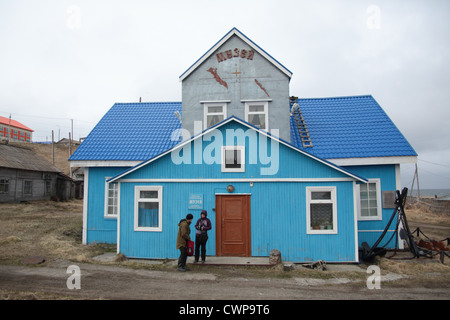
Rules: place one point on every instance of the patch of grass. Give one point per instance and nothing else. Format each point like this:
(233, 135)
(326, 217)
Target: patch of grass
(24, 295)
(49, 229)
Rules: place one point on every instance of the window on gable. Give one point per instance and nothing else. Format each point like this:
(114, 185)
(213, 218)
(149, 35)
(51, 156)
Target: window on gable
(321, 210)
(370, 200)
(233, 159)
(148, 208)
(257, 114)
(214, 113)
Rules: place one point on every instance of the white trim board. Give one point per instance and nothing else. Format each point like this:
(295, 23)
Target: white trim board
(376, 231)
(118, 221)
(225, 180)
(355, 218)
(101, 163)
(85, 205)
(373, 161)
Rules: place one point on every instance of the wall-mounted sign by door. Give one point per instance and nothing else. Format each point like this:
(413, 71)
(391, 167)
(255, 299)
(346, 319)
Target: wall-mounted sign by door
(195, 201)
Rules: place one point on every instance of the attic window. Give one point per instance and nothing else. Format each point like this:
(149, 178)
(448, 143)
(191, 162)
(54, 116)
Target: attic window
(257, 114)
(233, 159)
(214, 113)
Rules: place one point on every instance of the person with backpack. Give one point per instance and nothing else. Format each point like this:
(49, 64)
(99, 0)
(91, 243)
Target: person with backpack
(203, 225)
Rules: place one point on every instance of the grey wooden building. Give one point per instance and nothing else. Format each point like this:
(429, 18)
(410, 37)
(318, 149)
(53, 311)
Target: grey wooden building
(24, 176)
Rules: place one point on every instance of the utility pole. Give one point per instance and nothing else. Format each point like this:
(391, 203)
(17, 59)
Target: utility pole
(53, 149)
(70, 153)
(418, 187)
(9, 128)
(412, 186)
(71, 120)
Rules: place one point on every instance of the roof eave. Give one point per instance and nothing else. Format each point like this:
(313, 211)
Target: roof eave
(374, 160)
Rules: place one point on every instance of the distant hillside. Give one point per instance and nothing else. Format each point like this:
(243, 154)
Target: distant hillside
(45, 150)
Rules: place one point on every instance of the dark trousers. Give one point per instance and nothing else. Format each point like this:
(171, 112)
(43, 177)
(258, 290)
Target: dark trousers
(183, 257)
(200, 244)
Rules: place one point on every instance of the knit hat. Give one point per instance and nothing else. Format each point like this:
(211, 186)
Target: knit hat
(204, 212)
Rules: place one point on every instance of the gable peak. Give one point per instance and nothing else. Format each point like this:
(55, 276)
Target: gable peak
(235, 32)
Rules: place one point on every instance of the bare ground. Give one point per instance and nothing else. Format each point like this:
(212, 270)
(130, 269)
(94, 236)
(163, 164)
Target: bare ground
(53, 230)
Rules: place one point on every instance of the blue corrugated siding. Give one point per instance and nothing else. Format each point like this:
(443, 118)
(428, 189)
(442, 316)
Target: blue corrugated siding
(141, 244)
(99, 228)
(289, 165)
(386, 174)
(278, 209)
(278, 221)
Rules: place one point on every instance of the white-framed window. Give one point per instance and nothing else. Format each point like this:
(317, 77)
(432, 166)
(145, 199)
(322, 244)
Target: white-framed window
(257, 114)
(148, 208)
(233, 159)
(370, 200)
(321, 210)
(111, 199)
(214, 112)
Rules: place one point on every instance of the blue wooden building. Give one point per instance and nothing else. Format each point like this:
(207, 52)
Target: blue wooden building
(313, 178)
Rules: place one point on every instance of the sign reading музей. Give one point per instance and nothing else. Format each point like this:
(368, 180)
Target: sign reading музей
(236, 53)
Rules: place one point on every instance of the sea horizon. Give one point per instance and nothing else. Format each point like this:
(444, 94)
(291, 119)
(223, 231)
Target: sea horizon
(430, 193)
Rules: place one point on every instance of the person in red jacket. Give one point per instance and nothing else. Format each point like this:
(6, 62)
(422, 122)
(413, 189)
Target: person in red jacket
(203, 225)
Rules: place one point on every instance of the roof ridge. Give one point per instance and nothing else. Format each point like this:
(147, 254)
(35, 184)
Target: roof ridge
(339, 97)
(150, 102)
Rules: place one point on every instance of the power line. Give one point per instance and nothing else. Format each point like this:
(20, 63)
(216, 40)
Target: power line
(42, 117)
(438, 175)
(438, 164)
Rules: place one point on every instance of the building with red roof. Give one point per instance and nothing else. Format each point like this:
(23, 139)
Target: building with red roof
(14, 130)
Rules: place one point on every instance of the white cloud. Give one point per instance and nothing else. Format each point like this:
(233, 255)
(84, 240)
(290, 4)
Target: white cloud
(123, 50)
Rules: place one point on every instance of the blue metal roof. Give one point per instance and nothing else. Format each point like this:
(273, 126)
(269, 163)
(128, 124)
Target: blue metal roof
(343, 127)
(349, 127)
(131, 132)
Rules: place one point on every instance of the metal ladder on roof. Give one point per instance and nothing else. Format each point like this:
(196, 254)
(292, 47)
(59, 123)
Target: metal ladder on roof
(301, 125)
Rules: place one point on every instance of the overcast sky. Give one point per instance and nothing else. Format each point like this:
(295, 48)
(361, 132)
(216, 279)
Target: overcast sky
(62, 60)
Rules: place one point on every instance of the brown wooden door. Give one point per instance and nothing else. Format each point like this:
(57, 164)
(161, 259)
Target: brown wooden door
(233, 226)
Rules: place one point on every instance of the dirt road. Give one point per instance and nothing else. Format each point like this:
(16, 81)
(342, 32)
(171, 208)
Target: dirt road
(115, 282)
